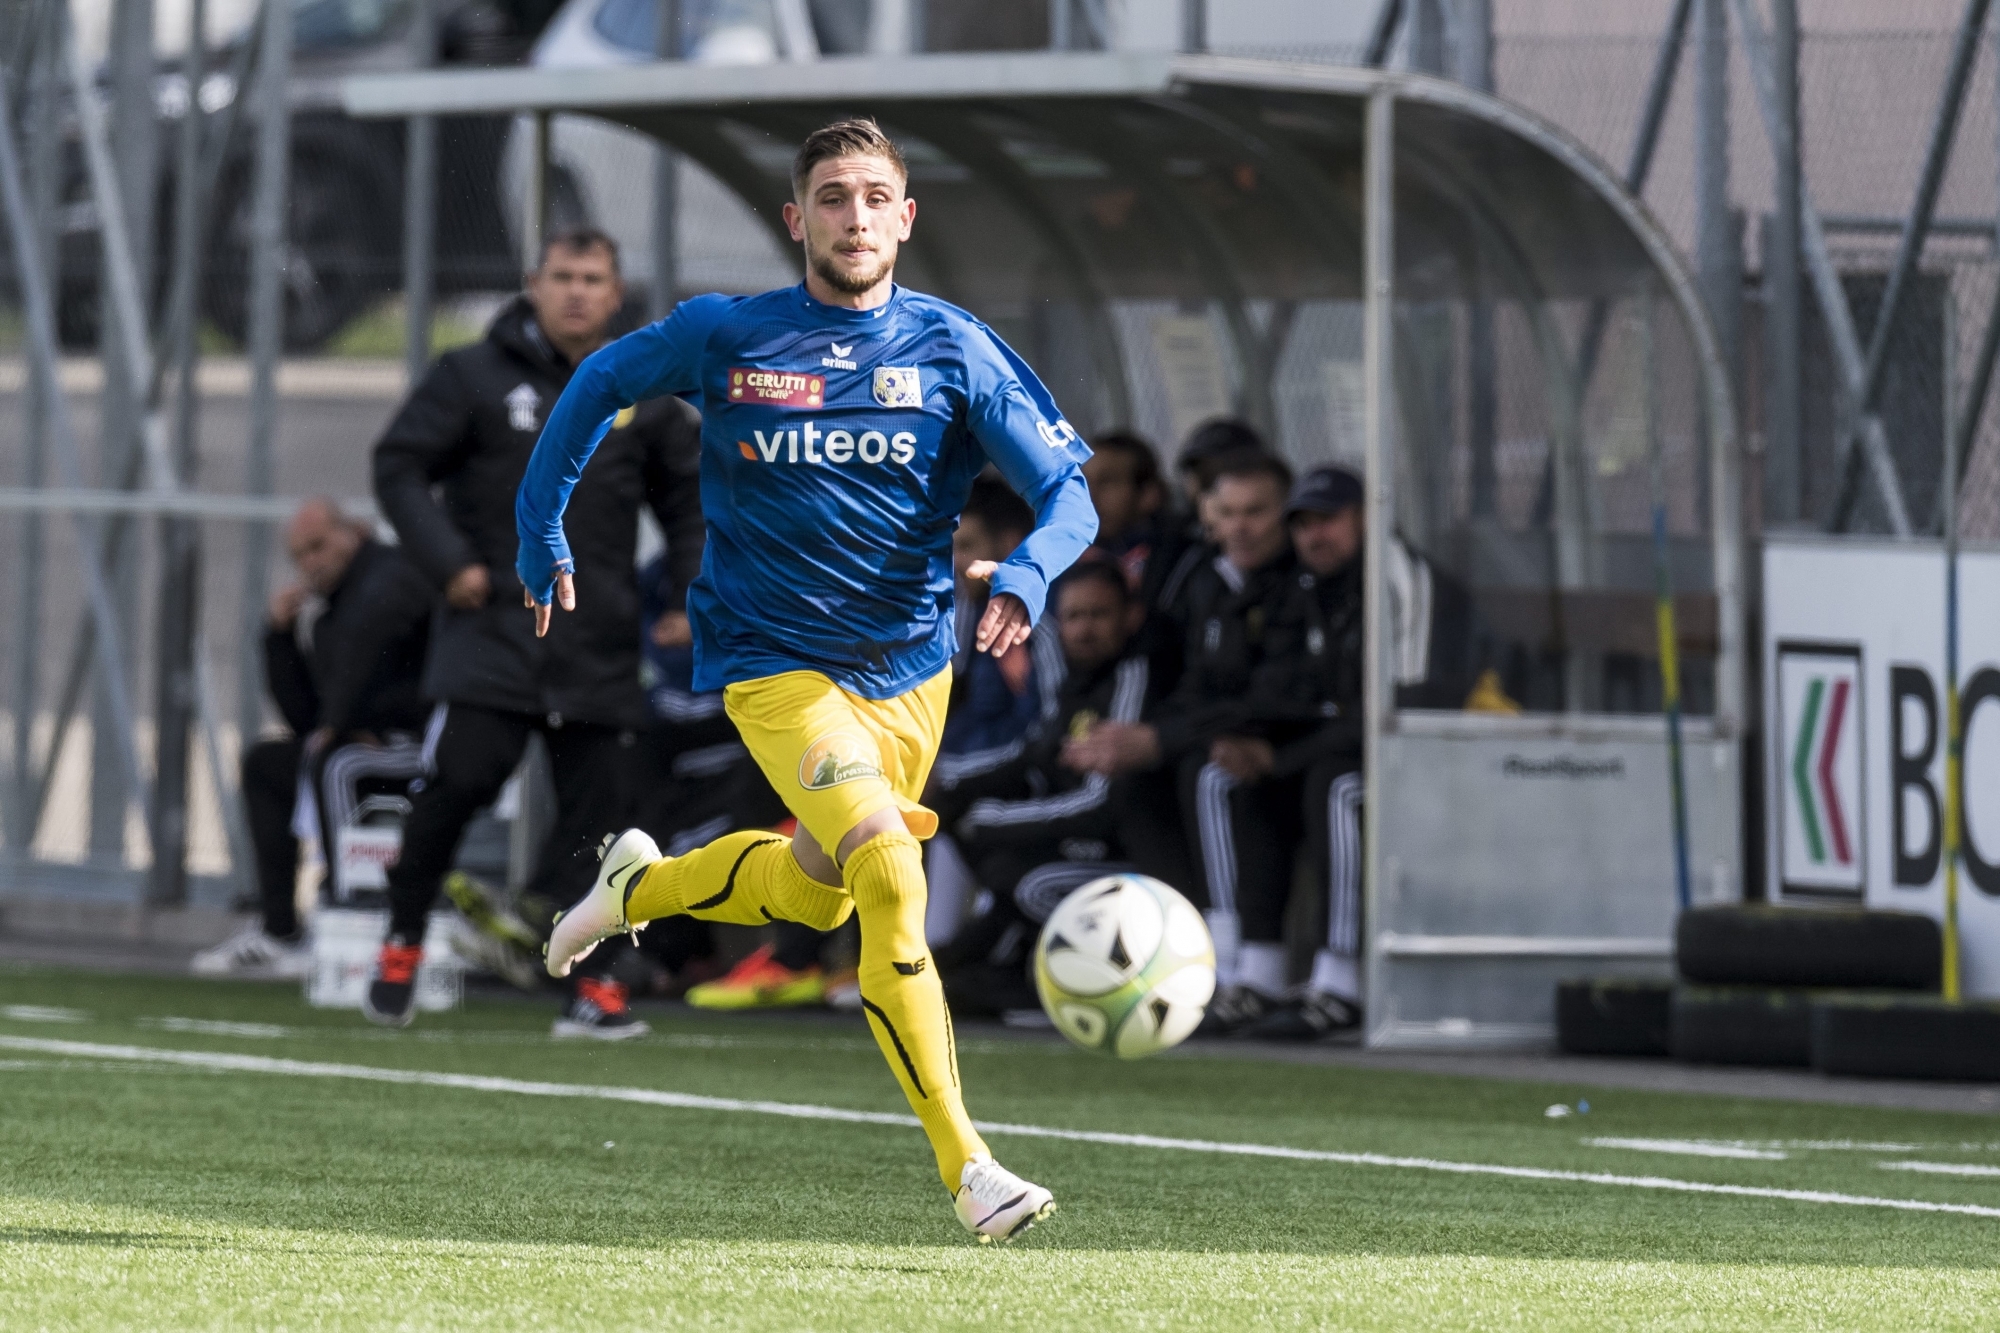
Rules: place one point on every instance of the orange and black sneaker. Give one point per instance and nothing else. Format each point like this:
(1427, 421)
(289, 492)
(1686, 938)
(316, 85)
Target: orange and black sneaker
(760, 981)
(597, 1010)
(392, 995)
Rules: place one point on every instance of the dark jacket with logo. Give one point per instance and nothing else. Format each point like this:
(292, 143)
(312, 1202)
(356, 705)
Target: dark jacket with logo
(446, 472)
(1227, 633)
(358, 665)
(1307, 690)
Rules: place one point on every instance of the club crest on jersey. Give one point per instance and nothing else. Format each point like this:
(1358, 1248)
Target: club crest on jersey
(522, 405)
(898, 386)
(837, 757)
(775, 388)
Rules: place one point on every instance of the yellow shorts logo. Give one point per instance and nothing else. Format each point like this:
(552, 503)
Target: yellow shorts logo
(836, 758)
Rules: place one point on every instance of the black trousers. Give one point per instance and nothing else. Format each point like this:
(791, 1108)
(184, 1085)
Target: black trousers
(477, 749)
(1250, 835)
(270, 791)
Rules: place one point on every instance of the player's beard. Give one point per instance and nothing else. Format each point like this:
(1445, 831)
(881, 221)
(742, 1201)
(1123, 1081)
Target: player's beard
(851, 282)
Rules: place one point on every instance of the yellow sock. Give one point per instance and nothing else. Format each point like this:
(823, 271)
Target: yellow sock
(748, 878)
(904, 999)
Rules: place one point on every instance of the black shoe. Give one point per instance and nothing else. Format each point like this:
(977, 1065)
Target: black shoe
(1231, 1011)
(392, 995)
(1310, 1017)
(596, 1010)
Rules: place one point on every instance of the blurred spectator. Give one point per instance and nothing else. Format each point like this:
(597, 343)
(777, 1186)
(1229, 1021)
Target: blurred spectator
(343, 656)
(1227, 607)
(1032, 809)
(446, 472)
(992, 699)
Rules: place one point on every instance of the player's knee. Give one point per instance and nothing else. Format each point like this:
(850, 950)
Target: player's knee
(887, 871)
(882, 822)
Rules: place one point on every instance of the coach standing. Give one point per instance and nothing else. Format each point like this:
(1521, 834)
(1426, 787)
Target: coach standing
(445, 475)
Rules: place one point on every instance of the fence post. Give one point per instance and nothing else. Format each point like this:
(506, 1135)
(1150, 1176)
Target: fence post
(180, 574)
(420, 206)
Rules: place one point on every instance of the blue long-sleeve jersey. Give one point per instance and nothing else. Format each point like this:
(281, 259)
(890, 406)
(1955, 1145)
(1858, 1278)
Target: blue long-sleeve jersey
(838, 447)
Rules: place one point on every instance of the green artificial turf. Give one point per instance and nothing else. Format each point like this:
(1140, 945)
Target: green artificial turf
(139, 1195)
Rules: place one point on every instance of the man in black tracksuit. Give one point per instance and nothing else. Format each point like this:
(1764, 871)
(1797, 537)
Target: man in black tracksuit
(343, 655)
(1030, 824)
(446, 473)
(1306, 699)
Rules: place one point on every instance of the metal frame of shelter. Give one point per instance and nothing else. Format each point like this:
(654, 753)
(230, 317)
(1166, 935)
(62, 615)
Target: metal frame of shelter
(1500, 852)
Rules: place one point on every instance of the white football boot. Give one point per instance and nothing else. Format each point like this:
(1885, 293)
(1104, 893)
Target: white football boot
(995, 1204)
(600, 914)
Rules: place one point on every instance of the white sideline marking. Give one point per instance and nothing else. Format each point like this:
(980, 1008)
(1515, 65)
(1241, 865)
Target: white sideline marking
(263, 1064)
(1690, 1148)
(209, 1027)
(1942, 1168)
(42, 1013)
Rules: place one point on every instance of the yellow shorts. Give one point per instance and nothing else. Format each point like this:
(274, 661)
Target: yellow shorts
(836, 758)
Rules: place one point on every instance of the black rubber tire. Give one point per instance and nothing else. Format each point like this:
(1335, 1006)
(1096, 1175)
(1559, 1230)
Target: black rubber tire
(1612, 1016)
(1767, 1026)
(1906, 1036)
(1756, 945)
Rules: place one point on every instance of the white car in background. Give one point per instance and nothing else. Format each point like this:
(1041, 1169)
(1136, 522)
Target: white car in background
(605, 175)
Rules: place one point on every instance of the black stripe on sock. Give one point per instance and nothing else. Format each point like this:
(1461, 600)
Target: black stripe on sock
(729, 885)
(951, 1045)
(890, 1028)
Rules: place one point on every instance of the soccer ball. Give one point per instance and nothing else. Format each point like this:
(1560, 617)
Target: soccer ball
(1125, 966)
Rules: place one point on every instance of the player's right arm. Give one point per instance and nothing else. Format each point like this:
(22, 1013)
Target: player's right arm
(661, 358)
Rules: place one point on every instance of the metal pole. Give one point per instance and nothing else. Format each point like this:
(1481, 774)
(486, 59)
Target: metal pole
(1784, 464)
(1663, 591)
(1061, 36)
(38, 310)
(267, 339)
(1473, 58)
(665, 288)
(1715, 233)
(1827, 290)
(1382, 37)
(1378, 400)
(1944, 131)
(45, 187)
(535, 198)
(174, 692)
(420, 172)
(1194, 25)
(132, 71)
(1426, 36)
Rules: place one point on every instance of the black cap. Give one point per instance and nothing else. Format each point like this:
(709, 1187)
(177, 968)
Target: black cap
(1325, 490)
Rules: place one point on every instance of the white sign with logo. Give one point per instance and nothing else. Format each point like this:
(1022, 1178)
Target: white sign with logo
(1854, 688)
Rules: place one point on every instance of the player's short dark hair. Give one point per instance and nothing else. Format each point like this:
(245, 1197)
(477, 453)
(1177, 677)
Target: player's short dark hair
(859, 136)
(1246, 464)
(998, 509)
(1215, 437)
(1088, 570)
(1137, 448)
(577, 241)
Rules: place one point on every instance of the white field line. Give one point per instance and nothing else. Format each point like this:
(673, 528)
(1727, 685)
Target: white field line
(260, 1064)
(1690, 1148)
(1941, 1168)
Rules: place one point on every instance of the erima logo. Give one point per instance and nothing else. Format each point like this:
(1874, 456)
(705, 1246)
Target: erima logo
(809, 444)
(521, 406)
(915, 969)
(839, 359)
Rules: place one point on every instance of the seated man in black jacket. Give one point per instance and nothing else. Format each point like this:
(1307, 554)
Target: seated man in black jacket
(343, 654)
(1229, 605)
(1032, 809)
(446, 473)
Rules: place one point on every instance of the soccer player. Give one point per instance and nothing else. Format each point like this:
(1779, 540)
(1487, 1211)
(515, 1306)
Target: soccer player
(843, 421)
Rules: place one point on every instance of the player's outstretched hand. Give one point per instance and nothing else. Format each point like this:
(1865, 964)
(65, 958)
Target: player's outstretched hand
(565, 593)
(1006, 622)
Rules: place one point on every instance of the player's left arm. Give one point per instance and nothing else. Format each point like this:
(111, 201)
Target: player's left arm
(1017, 422)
